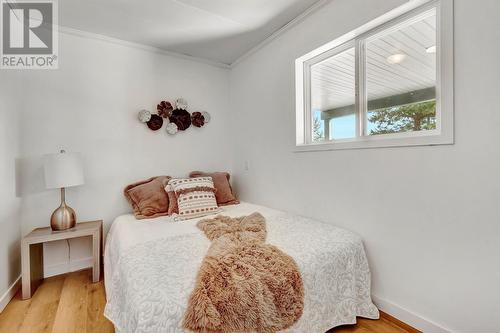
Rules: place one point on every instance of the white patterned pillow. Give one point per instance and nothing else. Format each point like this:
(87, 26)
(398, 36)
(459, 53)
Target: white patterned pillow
(195, 197)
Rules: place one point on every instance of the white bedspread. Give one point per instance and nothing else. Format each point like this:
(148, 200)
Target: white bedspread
(150, 268)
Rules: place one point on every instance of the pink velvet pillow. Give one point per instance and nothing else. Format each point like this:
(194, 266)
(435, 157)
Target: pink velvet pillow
(148, 197)
(224, 193)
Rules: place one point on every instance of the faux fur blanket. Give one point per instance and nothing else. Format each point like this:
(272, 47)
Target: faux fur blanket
(244, 285)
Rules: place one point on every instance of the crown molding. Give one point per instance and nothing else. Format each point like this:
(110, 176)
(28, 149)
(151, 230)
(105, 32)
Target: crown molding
(147, 48)
(316, 6)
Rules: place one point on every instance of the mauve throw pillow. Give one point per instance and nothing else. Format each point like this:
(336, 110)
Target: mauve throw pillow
(173, 208)
(148, 197)
(224, 193)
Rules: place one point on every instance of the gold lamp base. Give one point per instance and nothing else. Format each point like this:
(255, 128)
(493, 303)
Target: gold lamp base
(63, 217)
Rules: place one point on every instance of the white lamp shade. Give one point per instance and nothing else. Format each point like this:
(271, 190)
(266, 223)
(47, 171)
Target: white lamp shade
(63, 170)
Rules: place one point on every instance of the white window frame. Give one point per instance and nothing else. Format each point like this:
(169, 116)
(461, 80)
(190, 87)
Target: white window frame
(444, 132)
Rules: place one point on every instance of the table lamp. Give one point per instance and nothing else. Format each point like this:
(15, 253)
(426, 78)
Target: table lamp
(63, 170)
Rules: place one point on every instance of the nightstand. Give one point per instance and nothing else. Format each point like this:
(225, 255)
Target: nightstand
(32, 252)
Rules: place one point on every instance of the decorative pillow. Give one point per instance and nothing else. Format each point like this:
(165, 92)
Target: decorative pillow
(224, 193)
(195, 197)
(148, 197)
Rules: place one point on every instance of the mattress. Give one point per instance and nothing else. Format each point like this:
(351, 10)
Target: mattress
(150, 269)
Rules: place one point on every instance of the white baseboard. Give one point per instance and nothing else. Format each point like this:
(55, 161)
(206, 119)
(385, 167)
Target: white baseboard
(410, 318)
(7, 296)
(66, 267)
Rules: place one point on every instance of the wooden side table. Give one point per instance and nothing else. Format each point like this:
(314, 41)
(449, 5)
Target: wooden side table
(32, 252)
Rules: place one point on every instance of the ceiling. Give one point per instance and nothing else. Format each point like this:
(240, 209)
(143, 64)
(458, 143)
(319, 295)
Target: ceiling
(218, 30)
(333, 80)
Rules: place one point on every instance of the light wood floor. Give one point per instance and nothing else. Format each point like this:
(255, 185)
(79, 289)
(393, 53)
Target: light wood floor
(71, 303)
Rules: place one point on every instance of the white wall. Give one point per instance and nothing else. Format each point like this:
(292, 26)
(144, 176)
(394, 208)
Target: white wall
(428, 215)
(10, 204)
(90, 105)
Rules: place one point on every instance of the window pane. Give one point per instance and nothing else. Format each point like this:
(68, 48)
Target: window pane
(343, 127)
(401, 77)
(333, 96)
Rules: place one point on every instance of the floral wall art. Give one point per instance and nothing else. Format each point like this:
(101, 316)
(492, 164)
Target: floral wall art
(176, 116)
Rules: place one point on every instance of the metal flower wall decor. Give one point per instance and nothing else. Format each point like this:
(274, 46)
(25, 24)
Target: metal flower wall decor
(175, 115)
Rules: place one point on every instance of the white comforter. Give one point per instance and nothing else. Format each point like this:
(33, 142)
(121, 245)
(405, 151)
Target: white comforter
(150, 268)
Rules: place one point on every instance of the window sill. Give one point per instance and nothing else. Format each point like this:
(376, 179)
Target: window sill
(379, 141)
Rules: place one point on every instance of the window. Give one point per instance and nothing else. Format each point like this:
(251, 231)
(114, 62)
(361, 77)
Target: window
(389, 83)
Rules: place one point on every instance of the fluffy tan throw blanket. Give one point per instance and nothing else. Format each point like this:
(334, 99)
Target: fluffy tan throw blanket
(244, 285)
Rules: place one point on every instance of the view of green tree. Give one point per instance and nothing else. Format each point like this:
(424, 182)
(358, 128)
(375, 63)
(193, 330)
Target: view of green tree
(318, 134)
(405, 118)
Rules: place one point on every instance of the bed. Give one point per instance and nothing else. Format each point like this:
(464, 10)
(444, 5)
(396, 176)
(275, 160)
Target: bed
(151, 265)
